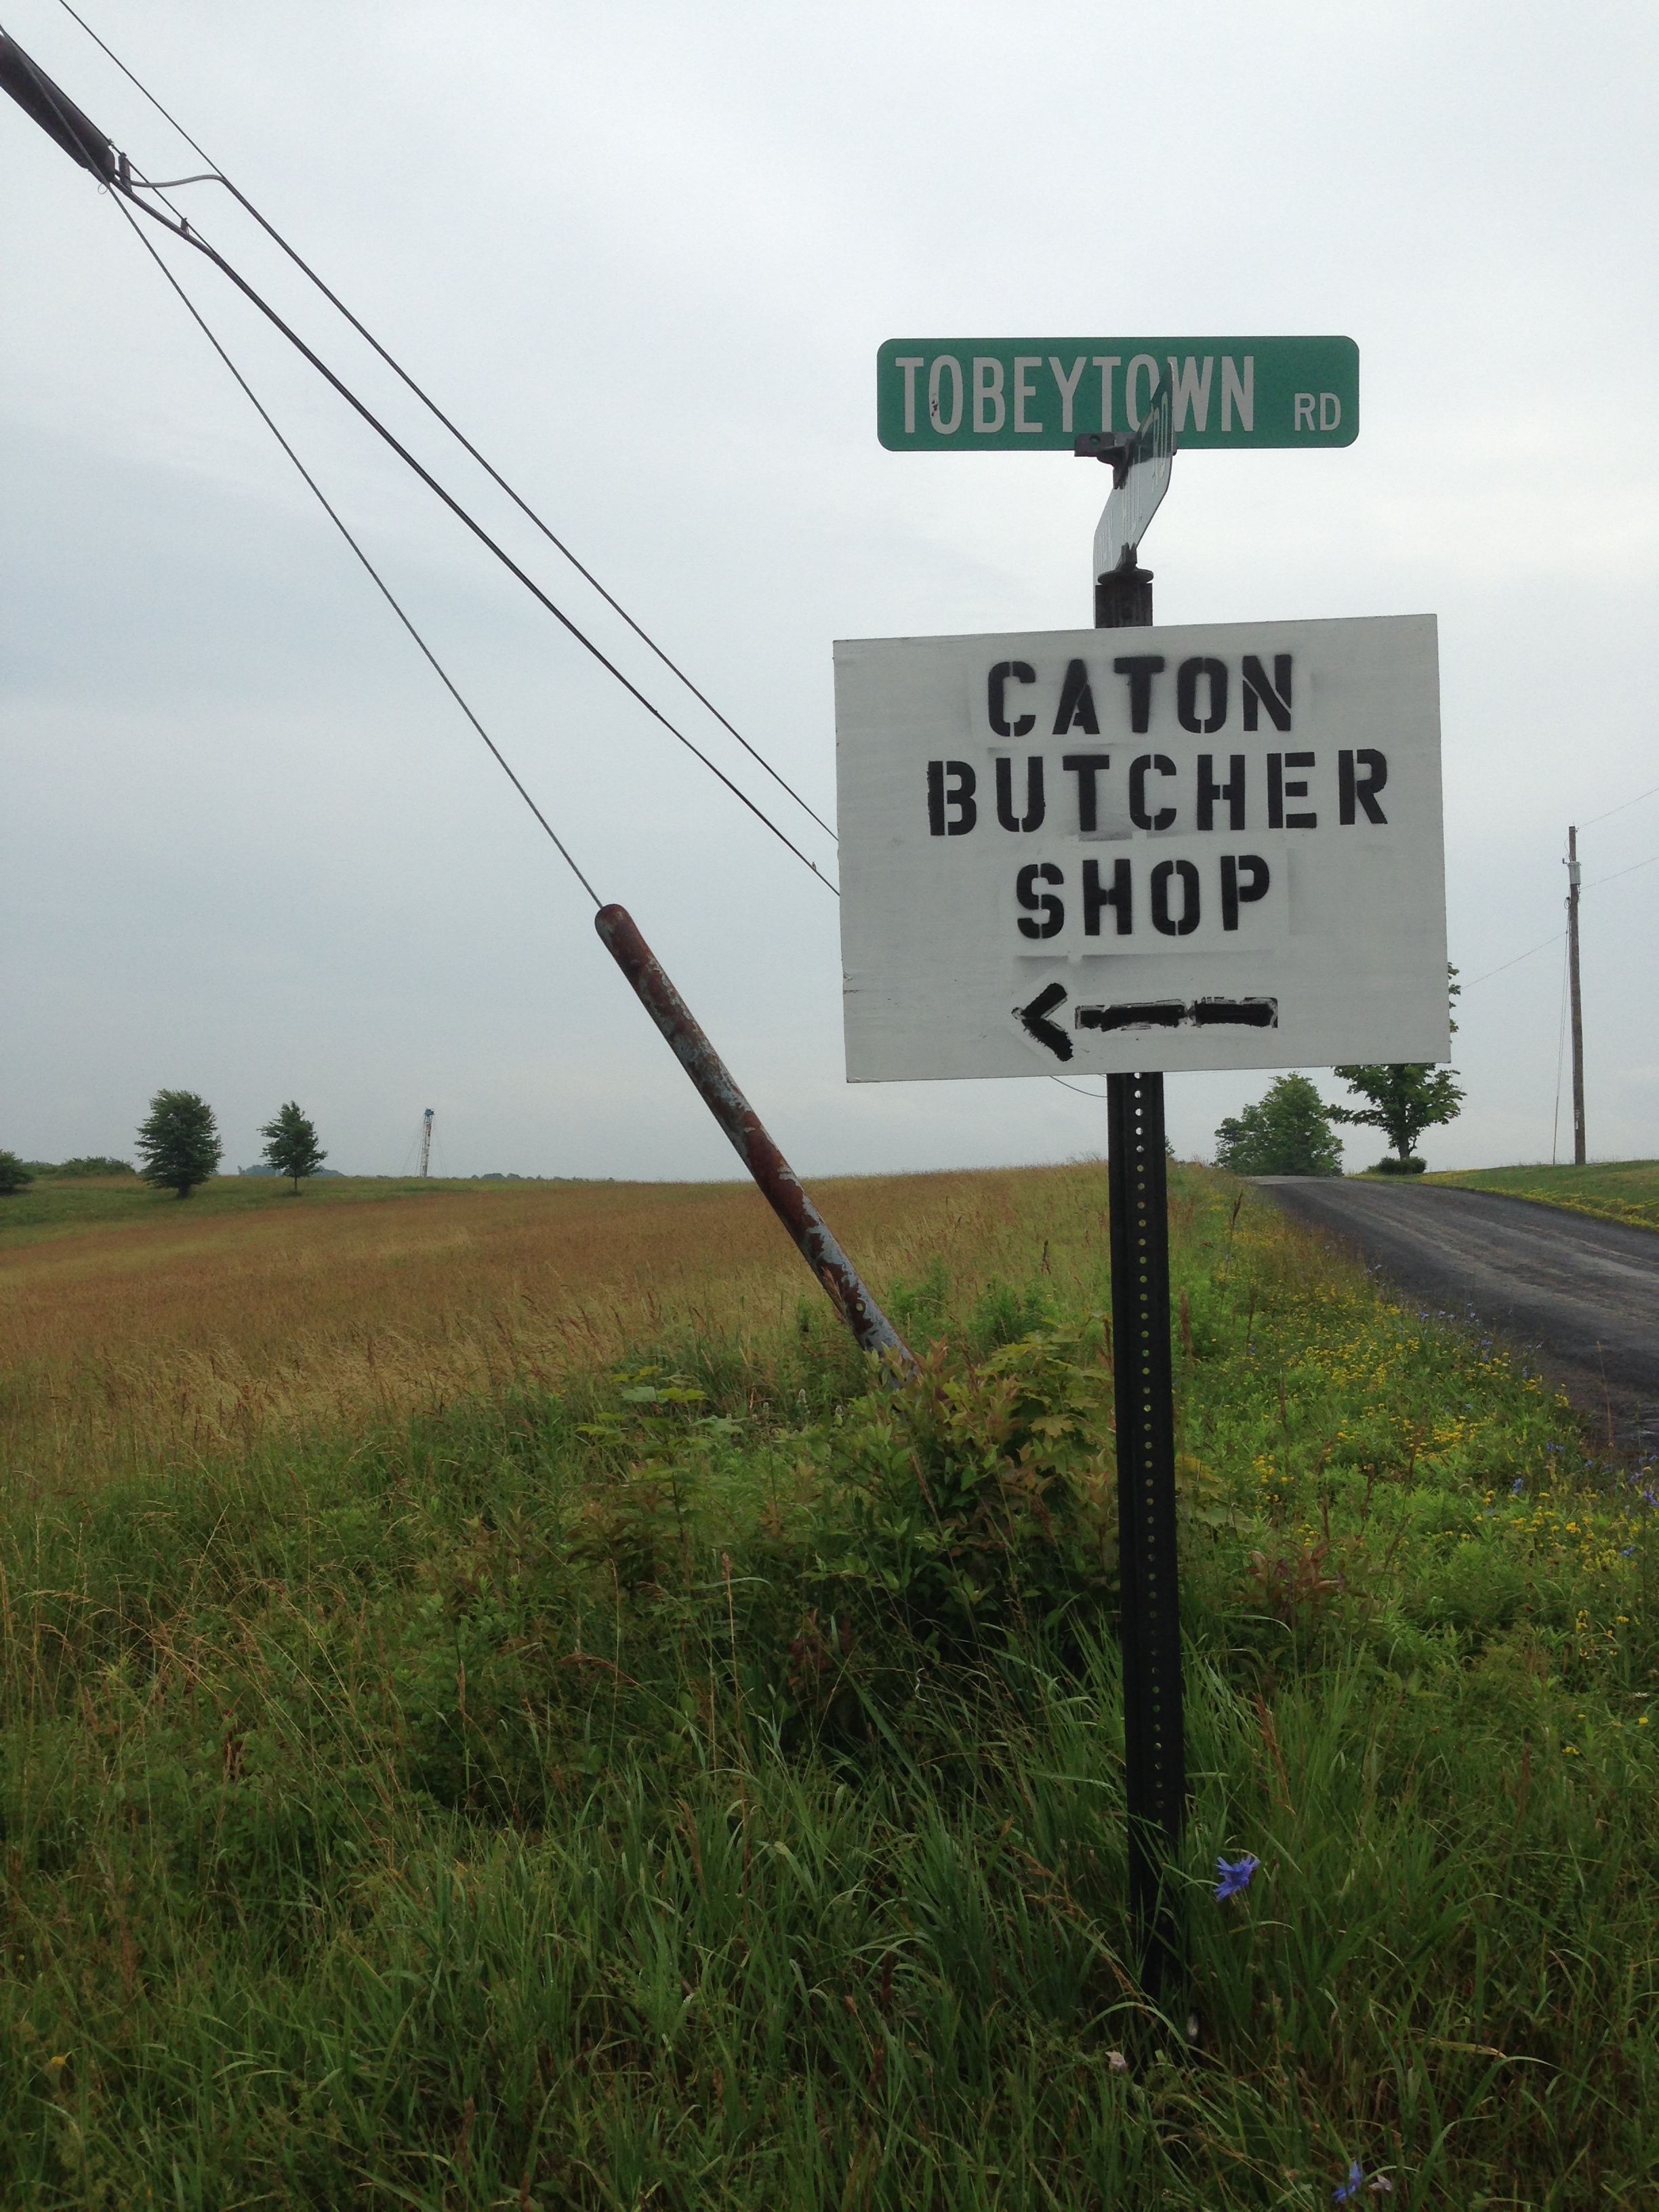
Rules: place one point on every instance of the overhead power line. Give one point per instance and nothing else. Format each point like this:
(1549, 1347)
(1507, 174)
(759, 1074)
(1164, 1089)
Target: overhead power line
(380, 584)
(183, 229)
(85, 143)
(1612, 811)
(215, 175)
(1545, 943)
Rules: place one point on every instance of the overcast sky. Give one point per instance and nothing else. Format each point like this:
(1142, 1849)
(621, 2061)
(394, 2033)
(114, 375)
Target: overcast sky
(645, 254)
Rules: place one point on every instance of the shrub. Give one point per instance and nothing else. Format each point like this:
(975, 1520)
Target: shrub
(984, 1497)
(13, 1175)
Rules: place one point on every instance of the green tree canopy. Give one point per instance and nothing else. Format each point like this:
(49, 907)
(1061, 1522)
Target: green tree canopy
(179, 1145)
(291, 1145)
(14, 1175)
(1285, 1132)
(1406, 1098)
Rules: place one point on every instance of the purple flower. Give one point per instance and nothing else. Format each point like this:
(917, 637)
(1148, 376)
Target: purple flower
(1517, 1486)
(1351, 2186)
(1235, 1876)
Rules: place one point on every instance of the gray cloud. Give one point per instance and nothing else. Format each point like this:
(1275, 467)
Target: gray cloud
(646, 255)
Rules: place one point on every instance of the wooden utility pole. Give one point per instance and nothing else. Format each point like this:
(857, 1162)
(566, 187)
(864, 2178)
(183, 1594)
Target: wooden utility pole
(1578, 1004)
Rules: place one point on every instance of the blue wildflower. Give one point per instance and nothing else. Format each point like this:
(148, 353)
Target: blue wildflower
(1236, 1876)
(1517, 1486)
(1351, 2186)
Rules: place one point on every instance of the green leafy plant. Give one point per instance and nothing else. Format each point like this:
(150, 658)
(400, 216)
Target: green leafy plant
(984, 1497)
(654, 1436)
(13, 1175)
(179, 1142)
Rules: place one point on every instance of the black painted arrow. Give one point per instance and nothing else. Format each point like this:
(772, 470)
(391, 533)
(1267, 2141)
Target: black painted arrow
(1031, 1020)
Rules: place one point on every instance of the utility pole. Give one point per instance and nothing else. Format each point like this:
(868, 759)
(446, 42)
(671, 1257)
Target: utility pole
(1578, 1003)
(425, 1143)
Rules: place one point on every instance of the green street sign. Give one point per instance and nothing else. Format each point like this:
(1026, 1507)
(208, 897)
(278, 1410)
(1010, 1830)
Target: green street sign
(1040, 395)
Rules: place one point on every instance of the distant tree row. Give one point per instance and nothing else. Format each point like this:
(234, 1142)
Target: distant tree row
(17, 1175)
(178, 1148)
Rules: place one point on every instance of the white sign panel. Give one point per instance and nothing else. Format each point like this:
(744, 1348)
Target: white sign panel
(1091, 851)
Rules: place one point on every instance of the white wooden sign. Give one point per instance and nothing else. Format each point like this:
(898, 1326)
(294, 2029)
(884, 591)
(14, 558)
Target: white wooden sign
(1200, 846)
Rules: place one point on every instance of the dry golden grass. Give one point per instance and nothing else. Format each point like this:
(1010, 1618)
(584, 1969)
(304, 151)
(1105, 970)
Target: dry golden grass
(182, 1333)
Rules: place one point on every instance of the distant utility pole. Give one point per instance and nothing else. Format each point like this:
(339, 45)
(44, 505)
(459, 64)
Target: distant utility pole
(425, 1124)
(1578, 1003)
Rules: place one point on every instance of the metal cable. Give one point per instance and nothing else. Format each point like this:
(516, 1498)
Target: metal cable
(380, 581)
(183, 229)
(218, 176)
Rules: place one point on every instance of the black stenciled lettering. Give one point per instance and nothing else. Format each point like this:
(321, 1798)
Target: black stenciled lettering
(957, 794)
(1350, 786)
(1258, 692)
(1052, 909)
(1119, 894)
(1163, 874)
(1244, 879)
(996, 688)
(1035, 807)
(1085, 767)
(1279, 791)
(1209, 791)
(1188, 679)
(1140, 668)
(1077, 703)
(1160, 764)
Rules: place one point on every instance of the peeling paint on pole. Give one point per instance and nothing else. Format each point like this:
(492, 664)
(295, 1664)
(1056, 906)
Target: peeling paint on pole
(776, 1179)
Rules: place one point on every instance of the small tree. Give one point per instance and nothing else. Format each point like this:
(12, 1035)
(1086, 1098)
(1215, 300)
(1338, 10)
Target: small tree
(291, 1145)
(14, 1175)
(1285, 1133)
(179, 1145)
(1406, 1099)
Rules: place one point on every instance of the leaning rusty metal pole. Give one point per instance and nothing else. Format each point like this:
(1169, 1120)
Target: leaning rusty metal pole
(776, 1180)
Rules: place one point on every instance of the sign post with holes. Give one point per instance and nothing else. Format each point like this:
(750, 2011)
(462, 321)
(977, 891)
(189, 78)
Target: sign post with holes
(1213, 846)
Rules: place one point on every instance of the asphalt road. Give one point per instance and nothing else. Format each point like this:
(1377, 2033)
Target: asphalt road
(1580, 1296)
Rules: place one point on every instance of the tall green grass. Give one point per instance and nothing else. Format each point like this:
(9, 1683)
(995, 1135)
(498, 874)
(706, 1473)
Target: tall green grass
(1614, 1190)
(705, 1787)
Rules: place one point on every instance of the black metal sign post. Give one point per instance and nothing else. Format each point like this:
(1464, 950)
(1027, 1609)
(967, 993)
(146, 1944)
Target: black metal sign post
(1154, 1736)
(1155, 1753)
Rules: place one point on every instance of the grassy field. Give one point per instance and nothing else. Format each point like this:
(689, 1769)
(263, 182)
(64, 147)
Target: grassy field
(669, 1769)
(1620, 1190)
(137, 1327)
